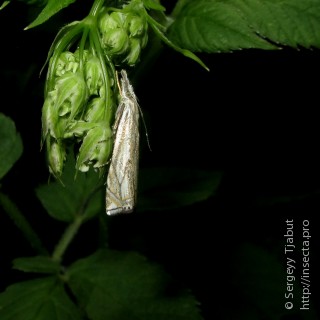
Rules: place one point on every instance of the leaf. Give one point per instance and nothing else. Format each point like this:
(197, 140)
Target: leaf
(118, 285)
(39, 264)
(10, 144)
(82, 195)
(157, 28)
(4, 4)
(52, 7)
(167, 188)
(226, 25)
(155, 5)
(292, 23)
(38, 299)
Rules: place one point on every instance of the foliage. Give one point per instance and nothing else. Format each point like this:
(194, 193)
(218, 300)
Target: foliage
(11, 146)
(216, 26)
(138, 288)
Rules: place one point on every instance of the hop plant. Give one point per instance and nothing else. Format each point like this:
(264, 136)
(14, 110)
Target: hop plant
(80, 92)
(74, 110)
(124, 34)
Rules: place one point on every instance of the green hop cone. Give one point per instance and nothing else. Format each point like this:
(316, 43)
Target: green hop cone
(94, 116)
(115, 41)
(49, 116)
(95, 110)
(111, 21)
(134, 54)
(56, 156)
(124, 35)
(80, 90)
(78, 128)
(63, 104)
(71, 96)
(95, 149)
(93, 75)
(85, 55)
(66, 62)
(136, 25)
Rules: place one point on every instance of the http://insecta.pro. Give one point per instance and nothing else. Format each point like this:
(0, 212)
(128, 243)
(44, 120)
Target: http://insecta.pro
(123, 170)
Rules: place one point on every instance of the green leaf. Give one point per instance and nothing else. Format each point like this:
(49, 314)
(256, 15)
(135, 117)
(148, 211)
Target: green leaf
(155, 5)
(158, 29)
(39, 264)
(168, 188)
(10, 144)
(292, 22)
(4, 4)
(82, 195)
(52, 7)
(37, 300)
(118, 285)
(226, 25)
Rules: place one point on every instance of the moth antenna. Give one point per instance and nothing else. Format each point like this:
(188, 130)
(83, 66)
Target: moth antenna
(145, 128)
(118, 82)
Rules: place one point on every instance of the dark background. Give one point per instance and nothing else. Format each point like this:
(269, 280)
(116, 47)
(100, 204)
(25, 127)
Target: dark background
(253, 117)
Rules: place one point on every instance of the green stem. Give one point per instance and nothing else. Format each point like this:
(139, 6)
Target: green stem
(66, 239)
(22, 223)
(96, 7)
(91, 22)
(104, 58)
(82, 48)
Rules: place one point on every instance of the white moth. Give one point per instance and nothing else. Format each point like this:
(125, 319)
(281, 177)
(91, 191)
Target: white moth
(123, 170)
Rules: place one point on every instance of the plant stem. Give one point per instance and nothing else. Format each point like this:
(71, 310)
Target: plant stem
(96, 7)
(66, 239)
(22, 223)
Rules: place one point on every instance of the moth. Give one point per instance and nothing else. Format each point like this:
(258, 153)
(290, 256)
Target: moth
(123, 171)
